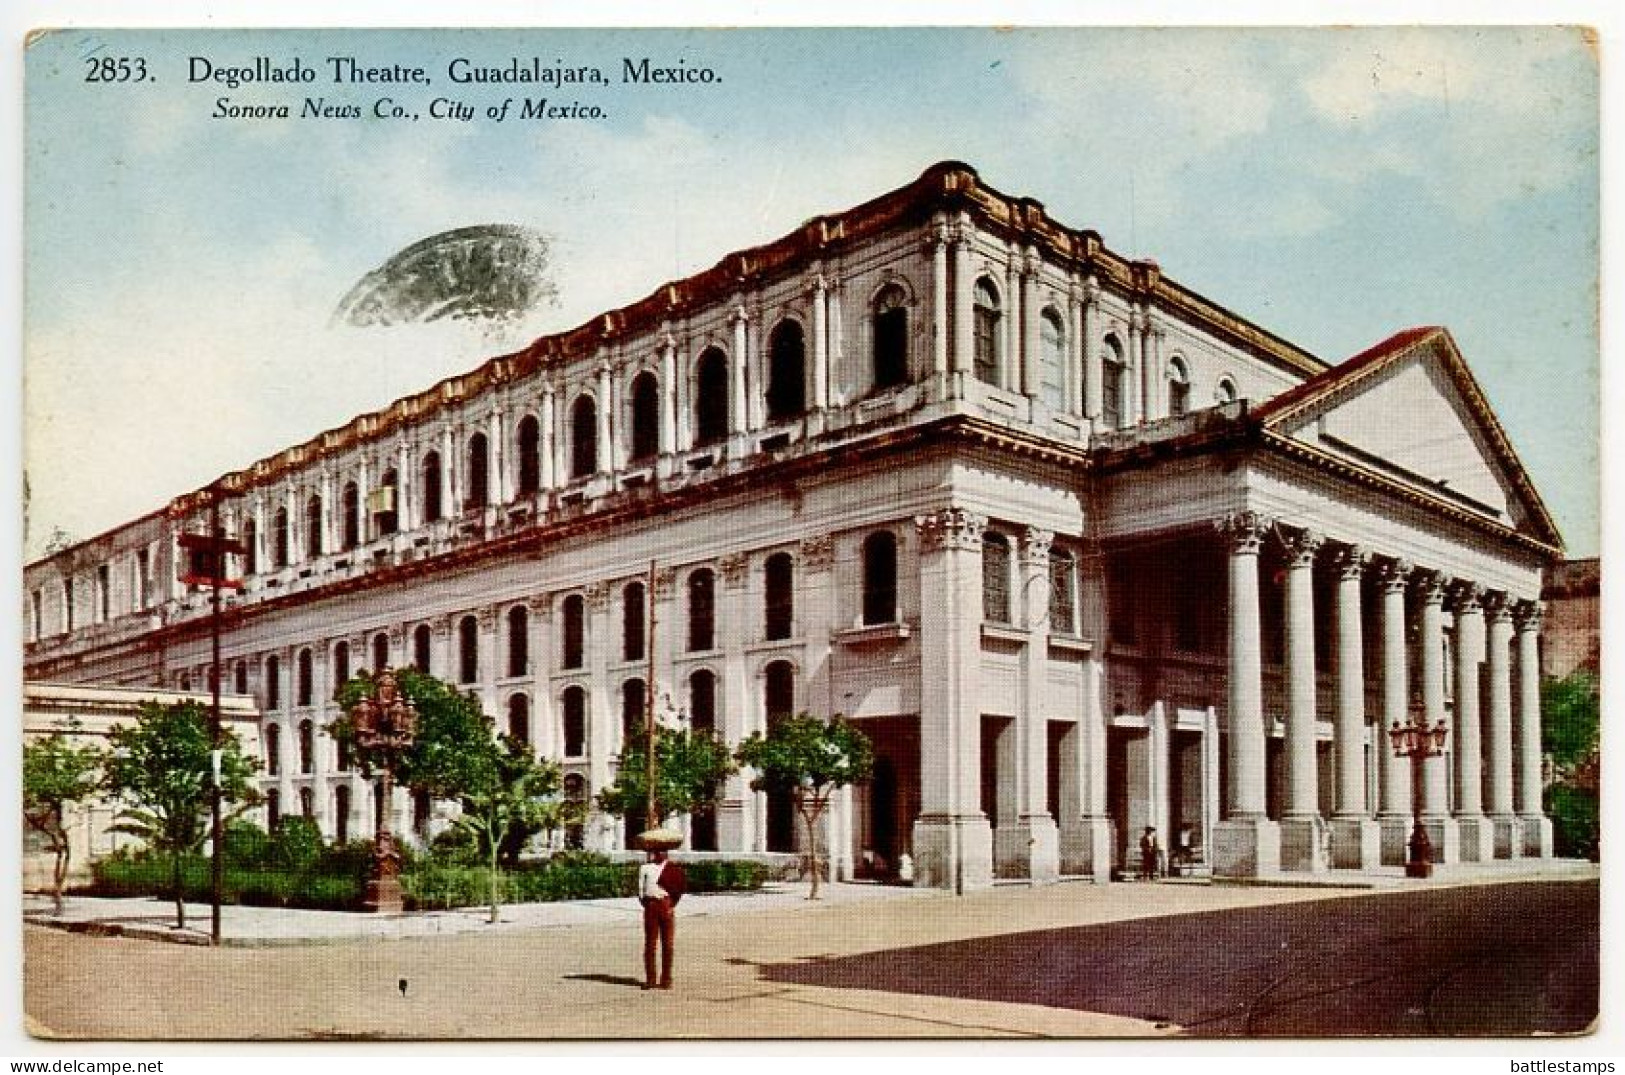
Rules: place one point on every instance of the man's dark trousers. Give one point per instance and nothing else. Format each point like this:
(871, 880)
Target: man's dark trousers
(659, 925)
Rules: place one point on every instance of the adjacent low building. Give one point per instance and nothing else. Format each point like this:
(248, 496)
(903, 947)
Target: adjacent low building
(1081, 550)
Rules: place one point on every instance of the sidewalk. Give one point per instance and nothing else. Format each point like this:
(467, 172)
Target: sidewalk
(258, 927)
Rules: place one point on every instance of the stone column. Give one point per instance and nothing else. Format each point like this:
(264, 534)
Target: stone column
(603, 713)
(606, 407)
(953, 843)
(1537, 827)
(1151, 340)
(1441, 826)
(1035, 837)
(740, 398)
(1394, 810)
(324, 518)
(546, 435)
(1246, 843)
(1133, 399)
(1031, 376)
(1301, 823)
(1093, 373)
(668, 394)
(405, 486)
(497, 468)
(1074, 348)
(1356, 836)
(363, 486)
(964, 308)
(1013, 376)
(1477, 838)
(820, 343)
(1503, 821)
(938, 242)
(450, 467)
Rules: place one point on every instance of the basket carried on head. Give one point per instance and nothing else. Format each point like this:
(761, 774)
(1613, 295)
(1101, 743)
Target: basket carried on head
(659, 839)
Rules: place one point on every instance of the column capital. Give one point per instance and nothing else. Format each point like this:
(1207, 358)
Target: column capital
(1351, 562)
(1035, 545)
(597, 596)
(1497, 606)
(1527, 615)
(739, 314)
(1466, 598)
(441, 626)
(486, 617)
(951, 528)
(1431, 585)
(1395, 575)
(732, 568)
(665, 583)
(541, 604)
(1245, 530)
(397, 635)
(818, 552)
(1301, 546)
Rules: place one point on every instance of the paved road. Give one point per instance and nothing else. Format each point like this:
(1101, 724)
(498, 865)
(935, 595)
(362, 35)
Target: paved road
(1067, 960)
(1478, 962)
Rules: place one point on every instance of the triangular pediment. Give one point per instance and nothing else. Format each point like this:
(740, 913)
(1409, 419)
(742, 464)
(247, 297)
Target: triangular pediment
(1410, 411)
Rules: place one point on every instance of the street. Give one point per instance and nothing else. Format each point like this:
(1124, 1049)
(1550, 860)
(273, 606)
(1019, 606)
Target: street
(1064, 960)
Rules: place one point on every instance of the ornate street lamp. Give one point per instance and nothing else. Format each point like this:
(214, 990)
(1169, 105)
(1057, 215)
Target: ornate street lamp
(1418, 742)
(385, 726)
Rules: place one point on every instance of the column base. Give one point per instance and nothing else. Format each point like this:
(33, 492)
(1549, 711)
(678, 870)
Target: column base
(1246, 847)
(1446, 838)
(954, 852)
(1507, 831)
(1356, 843)
(1305, 844)
(1477, 838)
(1029, 848)
(1086, 848)
(1537, 836)
(1396, 834)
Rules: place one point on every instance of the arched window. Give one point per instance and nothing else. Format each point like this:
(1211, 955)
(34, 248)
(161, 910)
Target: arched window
(575, 791)
(431, 487)
(341, 664)
(702, 701)
(702, 610)
(780, 609)
(1052, 360)
(479, 473)
(1063, 592)
(575, 632)
(583, 437)
(184, 681)
(645, 417)
(891, 338)
(530, 455)
(779, 691)
(519, 719)
(787, 372)
(273, 750)
(305, 683)
(995, 578)
(341, 814)
(711, 398)
(389, 518)
(251, 549)
(273, 683)
(985, 331)
(239, 678)
(575, 722)
(380, 652)
(518, 641)
(307, 803)
(350, 509)
(1179, 388)
(420, 648)
(880, 577)
(307, 746)
(273, 809)
(1226, 392)
(1113, 374)
(279, 538)
(632, 622)
(468, 650)
(313, 528)
(342, 749)
(633, 716)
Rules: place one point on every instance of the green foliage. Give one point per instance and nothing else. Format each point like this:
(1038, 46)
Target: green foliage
(58, 773)
(161, 767)
(689, 769)
(1576, 825)
(1570, 719)
(297, 843)
(805, 753)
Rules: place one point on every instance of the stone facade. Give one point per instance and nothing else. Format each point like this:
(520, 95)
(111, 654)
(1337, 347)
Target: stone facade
(1082, 551)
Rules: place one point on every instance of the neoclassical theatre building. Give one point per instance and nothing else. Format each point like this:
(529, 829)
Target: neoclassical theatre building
(1081, 551)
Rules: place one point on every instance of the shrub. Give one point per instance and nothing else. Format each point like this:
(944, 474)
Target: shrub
(297, 843)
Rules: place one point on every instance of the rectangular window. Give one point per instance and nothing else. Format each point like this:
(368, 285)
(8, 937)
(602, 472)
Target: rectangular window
(995, 579)
(104, 594)
(1111, 395)
(67, 604)
(1063, 597)
(143, 577)
(36, 616)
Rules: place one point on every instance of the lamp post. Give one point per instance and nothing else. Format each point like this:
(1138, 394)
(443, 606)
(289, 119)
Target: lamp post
(1418, 742)
(385, 726)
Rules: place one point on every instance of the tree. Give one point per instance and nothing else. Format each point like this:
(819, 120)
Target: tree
(162, 767)
(809, 759)
(506, 792)
(57, 774)
(1570, 735)
(689, 769)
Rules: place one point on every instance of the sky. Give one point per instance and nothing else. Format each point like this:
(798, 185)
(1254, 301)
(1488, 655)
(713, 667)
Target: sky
(1333, 186)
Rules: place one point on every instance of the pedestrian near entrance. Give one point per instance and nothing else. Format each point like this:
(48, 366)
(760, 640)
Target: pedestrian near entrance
(661, 884)
(1149, 851)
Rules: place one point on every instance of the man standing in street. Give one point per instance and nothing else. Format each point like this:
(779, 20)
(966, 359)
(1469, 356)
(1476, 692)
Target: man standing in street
(661, 884)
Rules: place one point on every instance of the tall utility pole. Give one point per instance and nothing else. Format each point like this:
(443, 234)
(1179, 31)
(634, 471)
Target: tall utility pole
(649, 819)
